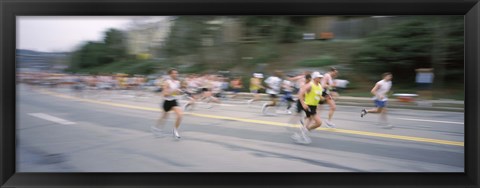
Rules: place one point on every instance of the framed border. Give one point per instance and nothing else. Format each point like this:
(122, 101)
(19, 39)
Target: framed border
(11, 8)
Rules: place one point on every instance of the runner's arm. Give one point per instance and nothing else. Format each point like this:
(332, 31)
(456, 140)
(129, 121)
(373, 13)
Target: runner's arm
(375, 89)
(332, 83)
(297, 77)
(301, 94)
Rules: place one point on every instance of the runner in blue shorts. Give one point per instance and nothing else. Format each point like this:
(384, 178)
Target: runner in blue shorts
(380, 91)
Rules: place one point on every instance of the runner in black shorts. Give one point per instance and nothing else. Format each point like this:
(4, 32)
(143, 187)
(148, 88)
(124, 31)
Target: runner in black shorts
(309, 96)
(168, 105)
(298, 116)
(274, 86)
(308, 78)
(171, 88)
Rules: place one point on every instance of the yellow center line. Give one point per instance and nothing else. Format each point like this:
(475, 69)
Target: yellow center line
(336, 130)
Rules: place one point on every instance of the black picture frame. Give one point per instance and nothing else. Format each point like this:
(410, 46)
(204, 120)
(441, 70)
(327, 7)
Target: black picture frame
(11, 8)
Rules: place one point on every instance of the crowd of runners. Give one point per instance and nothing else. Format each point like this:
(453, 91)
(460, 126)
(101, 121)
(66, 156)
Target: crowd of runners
(116, 81)
(310, 88)
(299, 95)
(191, 83)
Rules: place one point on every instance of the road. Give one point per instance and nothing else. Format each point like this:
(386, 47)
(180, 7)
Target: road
(61, 131)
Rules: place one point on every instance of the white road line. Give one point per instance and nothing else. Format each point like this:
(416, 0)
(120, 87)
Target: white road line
(449, 122)
(51, 118)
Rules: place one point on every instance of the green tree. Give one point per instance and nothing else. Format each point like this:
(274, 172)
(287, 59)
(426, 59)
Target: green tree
(186, 35)
(448, 52)
(414, 43)
(93, 54)
(277, 29)
(116, 44)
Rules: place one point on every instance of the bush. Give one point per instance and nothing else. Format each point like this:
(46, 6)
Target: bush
(146, 67)
(318, 62)
(265, 53)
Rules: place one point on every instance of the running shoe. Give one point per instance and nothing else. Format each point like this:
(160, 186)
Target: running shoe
(299, 139)
(303, 129)
(306, 138)
(364, 112)
(186, 107)
(264, 107)
(329, 124)
(175, 134)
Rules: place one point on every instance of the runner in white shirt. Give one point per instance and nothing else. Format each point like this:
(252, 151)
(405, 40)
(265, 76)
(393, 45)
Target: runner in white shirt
(328, 86)
(210, 88)
(273, 85)
(192, 92)
(216, 87)
(170, 91)
(288, 87)
(380, 91)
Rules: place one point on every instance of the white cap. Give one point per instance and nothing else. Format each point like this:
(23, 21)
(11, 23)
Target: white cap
(316, 75)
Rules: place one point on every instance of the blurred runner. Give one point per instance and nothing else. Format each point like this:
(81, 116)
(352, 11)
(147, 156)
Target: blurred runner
(300, 81)
(288, 87)
(298, 117)
(328, 92)
(309, 97)
(209, 89)
(380, 91)
(216, 83)
(139, 83)
(236, 85)
(192, 91)
(170, 91)
(273, 85)
(202, 89)
(255, 86)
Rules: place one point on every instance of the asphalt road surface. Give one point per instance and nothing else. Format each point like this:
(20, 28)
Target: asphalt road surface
(62, 131)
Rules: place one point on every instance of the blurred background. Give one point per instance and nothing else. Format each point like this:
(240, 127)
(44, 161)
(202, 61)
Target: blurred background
(88, 93)
(360, 47)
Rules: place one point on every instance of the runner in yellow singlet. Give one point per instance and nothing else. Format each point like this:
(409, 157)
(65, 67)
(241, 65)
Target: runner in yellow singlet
(309, 97)
(255, 86)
